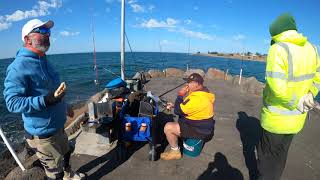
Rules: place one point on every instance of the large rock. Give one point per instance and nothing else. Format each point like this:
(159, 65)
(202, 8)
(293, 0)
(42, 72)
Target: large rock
(148, 76)
(97, 97)
(253, 86)
(141, 76)
(249, 85)
(25, 154)
(213, 73)
(190, 71)
(173, 72)
(29, 174)
(235, 80)
(156, 73)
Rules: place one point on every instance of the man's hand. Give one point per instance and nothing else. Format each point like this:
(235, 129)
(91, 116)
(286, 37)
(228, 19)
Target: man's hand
(70, 111)
(57, 96)
(306, 103)
(183, 91)
(61, 90)
(169, 106)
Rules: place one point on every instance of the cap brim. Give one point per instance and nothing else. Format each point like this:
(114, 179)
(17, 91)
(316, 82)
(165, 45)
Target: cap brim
(185, 79)
(49, 24)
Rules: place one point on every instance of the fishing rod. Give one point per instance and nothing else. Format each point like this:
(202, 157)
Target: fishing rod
(5, 140)
(189, 54)
(161, 58)
(96, 81)
(111, 72)
(240, 75)
(132, 56)
(172, 89)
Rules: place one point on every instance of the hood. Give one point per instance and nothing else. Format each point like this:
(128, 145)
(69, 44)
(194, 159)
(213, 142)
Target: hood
(203, 94)
(27, 53)
(290, 36)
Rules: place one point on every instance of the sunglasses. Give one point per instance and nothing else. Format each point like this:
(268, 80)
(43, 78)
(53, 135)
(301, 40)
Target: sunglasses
(41, 30)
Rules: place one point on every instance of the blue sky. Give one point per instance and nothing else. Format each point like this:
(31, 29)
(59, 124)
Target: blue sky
(220, 25)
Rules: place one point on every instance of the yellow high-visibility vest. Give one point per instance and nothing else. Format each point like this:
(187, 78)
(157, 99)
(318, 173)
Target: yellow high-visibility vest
(292, 70)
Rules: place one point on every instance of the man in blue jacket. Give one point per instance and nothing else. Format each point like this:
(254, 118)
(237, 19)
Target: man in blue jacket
(33, 88)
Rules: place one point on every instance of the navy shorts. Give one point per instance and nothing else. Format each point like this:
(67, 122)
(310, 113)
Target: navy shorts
(189, 131)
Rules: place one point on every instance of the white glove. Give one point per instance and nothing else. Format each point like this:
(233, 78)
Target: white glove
(306, 103)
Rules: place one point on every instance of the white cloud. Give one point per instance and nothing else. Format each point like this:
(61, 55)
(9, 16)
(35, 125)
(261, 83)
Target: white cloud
(172, 25)
(199, 26)
(153, 23)
(41, 9)
(214, 26)
(191, 23)
(4, 26)
(67, 33)
(132, 1)
(166, 42)
(171, 22)
(69, 10)
(239, 37)
(196, 8)
(137, 8)
(151, 7)
(187, 21)
(53, 39)
(195, 34)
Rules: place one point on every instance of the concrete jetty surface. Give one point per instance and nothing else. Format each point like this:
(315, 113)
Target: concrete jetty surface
(229, 155)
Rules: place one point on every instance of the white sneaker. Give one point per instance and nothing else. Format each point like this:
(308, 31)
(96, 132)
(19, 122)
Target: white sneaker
(71, 175)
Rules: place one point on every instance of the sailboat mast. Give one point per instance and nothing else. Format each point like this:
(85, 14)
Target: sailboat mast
(122, 39)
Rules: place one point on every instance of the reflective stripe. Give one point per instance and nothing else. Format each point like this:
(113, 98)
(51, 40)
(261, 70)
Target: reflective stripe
(317, 85)
(291, 78)
(274, 109)
(302, 77)
(290, 63)
(278, 75)
(282, 76)
(293, 100)
(316, 51)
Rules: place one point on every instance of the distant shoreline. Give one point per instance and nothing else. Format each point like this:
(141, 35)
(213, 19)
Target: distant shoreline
(235, 56)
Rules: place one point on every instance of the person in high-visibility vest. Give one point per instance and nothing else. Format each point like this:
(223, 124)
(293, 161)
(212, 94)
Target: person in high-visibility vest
(292, 81)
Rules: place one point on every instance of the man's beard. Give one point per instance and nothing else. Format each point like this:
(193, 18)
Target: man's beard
(42, 46)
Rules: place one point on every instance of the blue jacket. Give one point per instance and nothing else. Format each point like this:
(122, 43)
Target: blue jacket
(28, 79)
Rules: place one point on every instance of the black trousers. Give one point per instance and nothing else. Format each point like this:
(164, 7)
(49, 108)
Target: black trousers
(272, 154)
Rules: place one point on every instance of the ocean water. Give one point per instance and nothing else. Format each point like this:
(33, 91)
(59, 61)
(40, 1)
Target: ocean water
(77, 70)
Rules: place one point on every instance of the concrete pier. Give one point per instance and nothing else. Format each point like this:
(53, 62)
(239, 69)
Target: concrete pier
(229, 155)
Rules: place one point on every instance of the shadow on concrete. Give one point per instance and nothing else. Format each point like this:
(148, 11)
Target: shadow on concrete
(111, 160)
(250, 133)
(121, 153)
(220, 169)
(161, 139)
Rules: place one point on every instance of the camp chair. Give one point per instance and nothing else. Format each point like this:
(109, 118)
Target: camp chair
(146, 115)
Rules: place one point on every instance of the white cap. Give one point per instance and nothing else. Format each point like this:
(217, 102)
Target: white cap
(35, 23)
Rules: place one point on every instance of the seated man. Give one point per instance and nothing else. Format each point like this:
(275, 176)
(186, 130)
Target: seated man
(195, 112)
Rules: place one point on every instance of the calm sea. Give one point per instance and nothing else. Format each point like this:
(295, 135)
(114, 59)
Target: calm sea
(78, 73)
